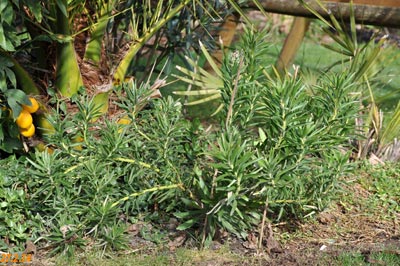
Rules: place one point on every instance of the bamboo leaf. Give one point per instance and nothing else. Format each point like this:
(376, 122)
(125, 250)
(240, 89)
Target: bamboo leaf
(204, 100)
(186, 225)
(210, 60)
(200, 83)
(196, 93)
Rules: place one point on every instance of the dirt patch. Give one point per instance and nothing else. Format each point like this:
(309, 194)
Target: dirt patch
(343, 228)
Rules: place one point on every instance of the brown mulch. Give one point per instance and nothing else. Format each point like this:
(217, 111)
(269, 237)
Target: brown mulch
(341, 228)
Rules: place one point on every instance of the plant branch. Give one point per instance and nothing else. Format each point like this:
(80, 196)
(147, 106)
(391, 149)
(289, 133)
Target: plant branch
(230, 110)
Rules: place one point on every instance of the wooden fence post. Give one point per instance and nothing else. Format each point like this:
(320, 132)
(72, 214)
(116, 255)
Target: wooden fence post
(292, 43)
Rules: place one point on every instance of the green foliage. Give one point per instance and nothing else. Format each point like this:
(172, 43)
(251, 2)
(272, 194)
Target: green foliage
(386, 256)
(17, 220)
(36, 29)
(10, 107)
(365, 62)
(81, 189)
(9, 39)
(278, 142)
(6, 74)
(383, 183)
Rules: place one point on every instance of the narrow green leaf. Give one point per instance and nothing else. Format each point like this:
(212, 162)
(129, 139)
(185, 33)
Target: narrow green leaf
(240, 11)
(260, 7)
(62, 5)
(100, 101)
(204, 100)
(321, 18)
(186, 225)
(338, 50)
(262, 135)
(197, 92)
(182, 215)
(200, 83)
(217, 110)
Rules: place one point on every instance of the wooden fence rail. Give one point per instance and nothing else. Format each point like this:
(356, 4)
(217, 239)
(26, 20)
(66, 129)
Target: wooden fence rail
(384, 13)
(371, 12)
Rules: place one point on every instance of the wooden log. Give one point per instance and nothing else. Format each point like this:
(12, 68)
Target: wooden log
(372, 12)
(387, 3)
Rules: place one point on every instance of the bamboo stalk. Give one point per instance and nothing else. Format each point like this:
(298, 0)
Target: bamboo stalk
(68, 76)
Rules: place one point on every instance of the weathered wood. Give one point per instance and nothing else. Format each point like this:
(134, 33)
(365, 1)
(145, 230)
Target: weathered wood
(372, 12)
(387, 3)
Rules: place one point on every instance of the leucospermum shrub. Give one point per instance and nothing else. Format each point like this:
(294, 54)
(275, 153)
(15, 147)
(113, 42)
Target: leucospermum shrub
(282, 145)
(279, 146)
(101, 177)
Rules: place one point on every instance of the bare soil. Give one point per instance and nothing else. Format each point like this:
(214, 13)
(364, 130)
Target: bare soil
(343, 228)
